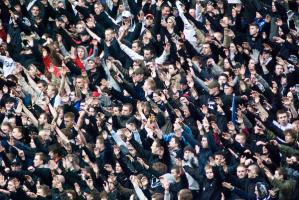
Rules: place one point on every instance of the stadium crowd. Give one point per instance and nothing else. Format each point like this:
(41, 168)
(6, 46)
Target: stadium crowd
(145, 99)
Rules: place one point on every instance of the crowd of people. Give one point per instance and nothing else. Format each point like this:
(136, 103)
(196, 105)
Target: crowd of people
(149, 99)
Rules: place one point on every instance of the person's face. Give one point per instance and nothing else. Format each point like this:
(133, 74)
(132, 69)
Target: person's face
(135, 47)
(222, 80)
(209, 173)
(68, 122)
(175, 174)
(79, 28)
(206, 50)
(80, 53)
(37, 161)
(178, 130)
(204, 142)
(50, 91)
(91, 65)
(277, 176)
(42, 120)
(171, 69)
(98, 8)
(9, 105)
(219, 159)
(278, 70)
(241, 172)
(172, 144)
(79, 82)
(192, 12)
(283, 119)
(232, 48)
(240, 139)
(149, 21)
(17, 134)
(155, 148)
(99, 144)
(125, 111)
(228, 90)
(170, 23)
(132, 151)
(186, 112)
(253, 30)
(118, 168)
(156, 97)
(5, 129)
(41, 87)
(165, 11)
(72, 96)
(147, 55)
(35, 11)
(108, 35)
(288, 138)
(32, 71)
(251, 172)
(91, 112)
(10, 186)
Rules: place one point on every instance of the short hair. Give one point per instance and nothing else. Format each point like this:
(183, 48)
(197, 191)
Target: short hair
(283, 172)
(44, 83)
(281, 111)
(69, 115)
(185, 194)
(291, 132)
(129, 106)
(42, 156)
(158, 196)
(160, 167)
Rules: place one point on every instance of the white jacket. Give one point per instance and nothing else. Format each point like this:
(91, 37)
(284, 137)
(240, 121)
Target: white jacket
(9, 65)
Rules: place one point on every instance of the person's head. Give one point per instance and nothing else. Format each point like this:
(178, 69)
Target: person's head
(12, 184)
(209, 172)
(281, 174)
(148, 54)
(98, 8)
(127, 109)
(157, 196)
(171, 22)
(219, 158)
(132, 150)
(149, 85)
(100, 143)
(35, 11)
(69, 119)
(32, 70)
(241, 171)
(79, 82)
(149, 20)
(185, 194)
(6, 128)
(118, 168)
(39, 160)
(42, 85)
(43, 190)
(172, 69)
(290, 136)
(136, 46)
(295, 125)
(52, 90)
(174, 143)
(222, 79)
(241, 138)
(81, 52)
(278, 70)
(253, 171)
(109, 35)
(206, 49)
(157, 148)
(17, 133)
(178, 130)
(282, 117)
(43, 119)
(165, 10)
(160, 167)
(80, 27)
(177, 172)
(92, 65)
(253, 30)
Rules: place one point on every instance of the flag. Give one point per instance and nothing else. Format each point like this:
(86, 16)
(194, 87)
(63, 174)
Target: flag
(234, 110)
